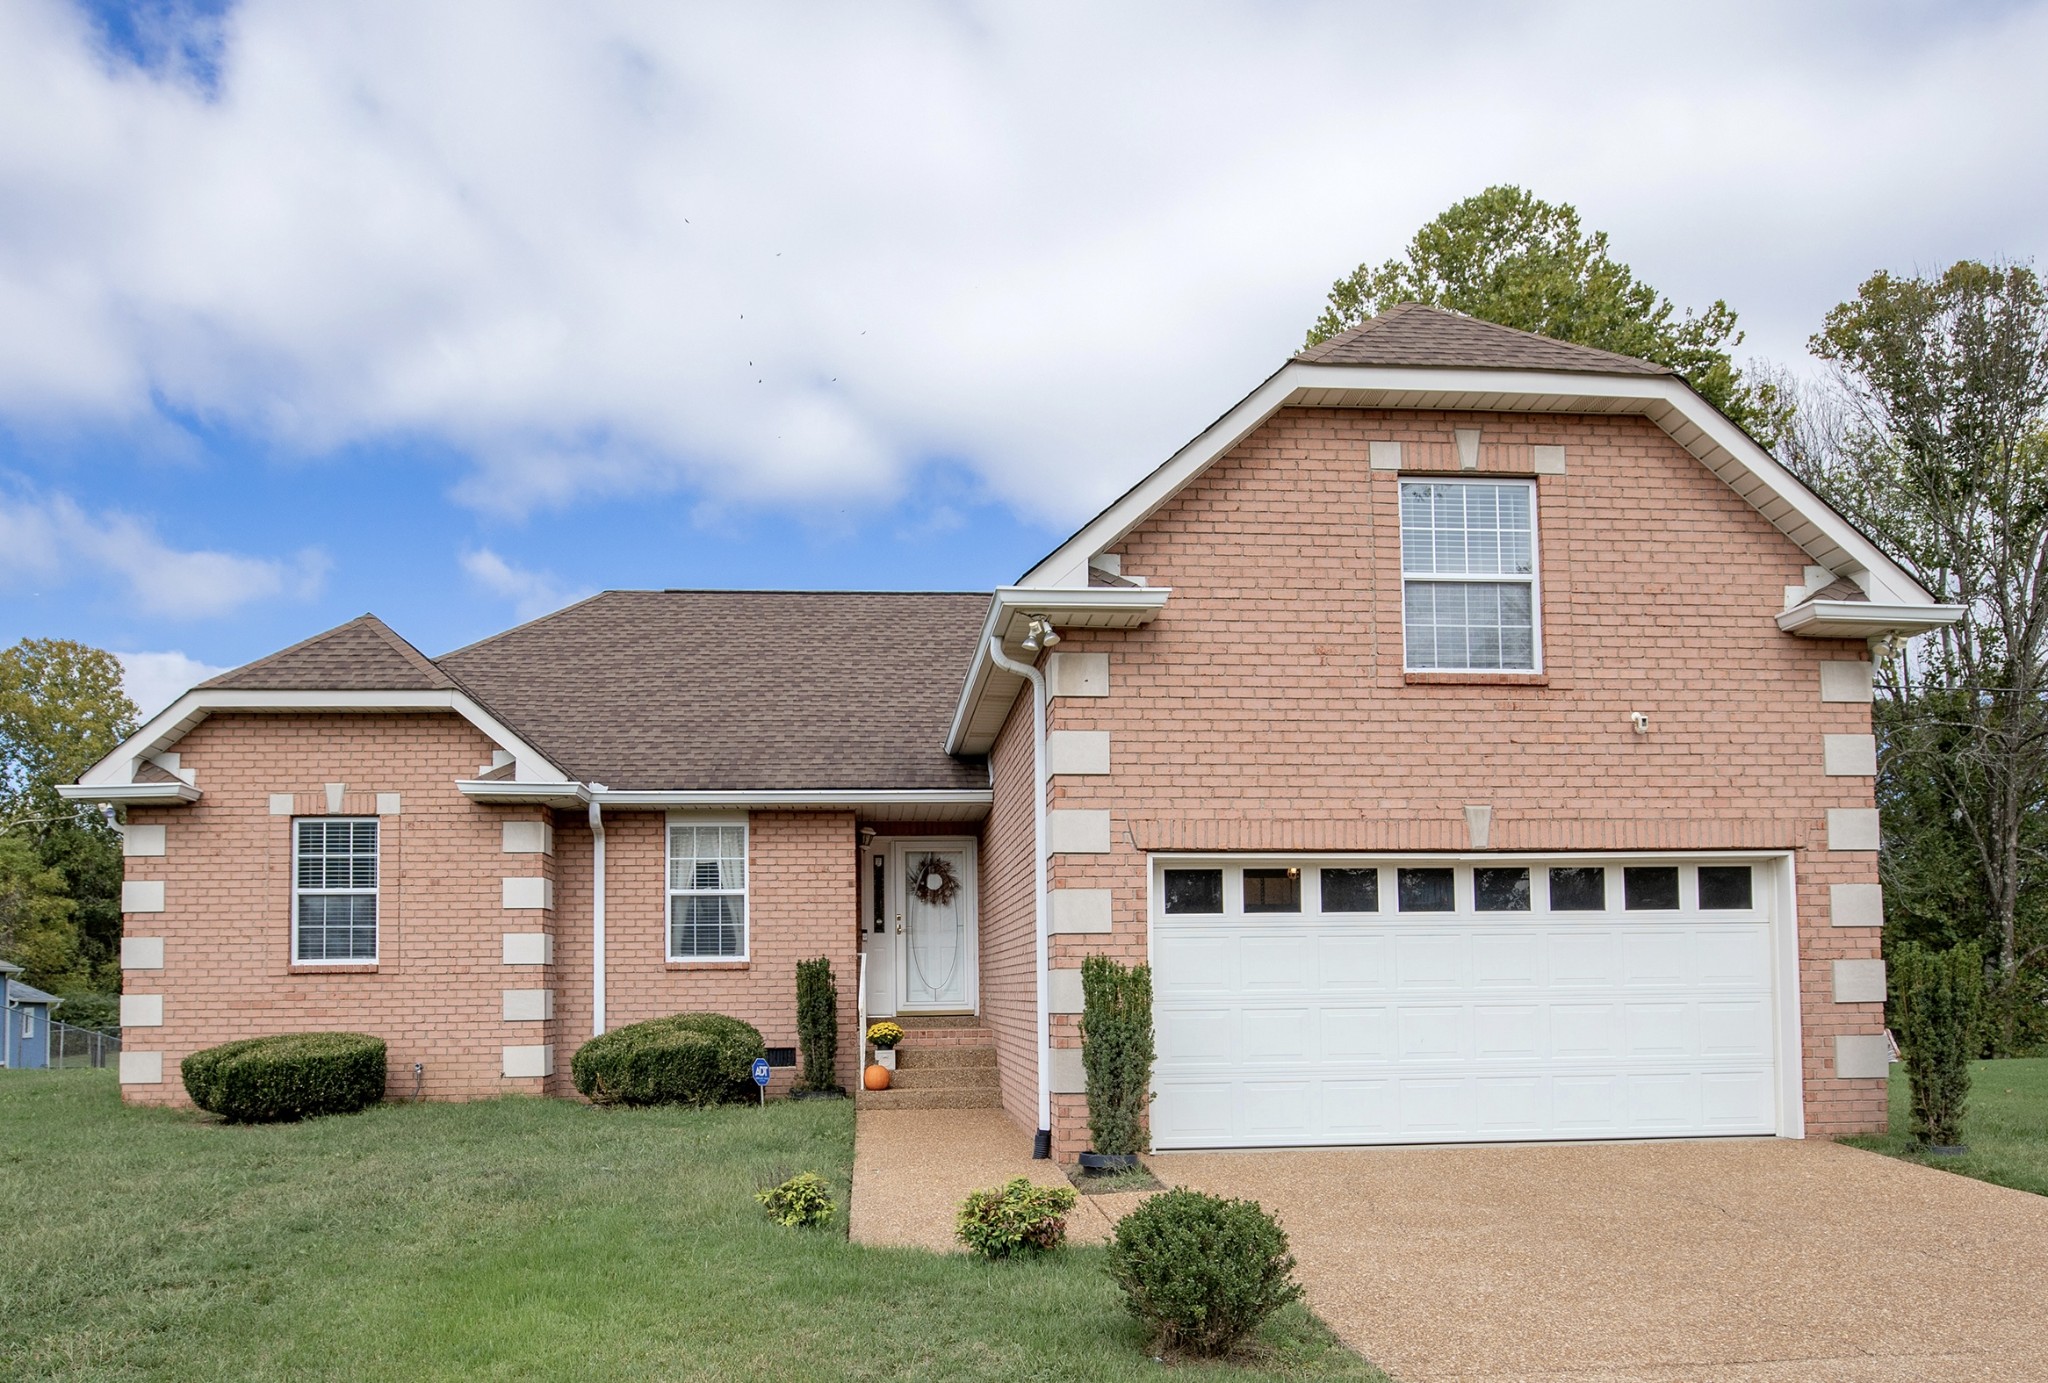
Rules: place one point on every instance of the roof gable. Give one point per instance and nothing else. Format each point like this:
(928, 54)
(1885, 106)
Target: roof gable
(1413, 336)
(362, 655)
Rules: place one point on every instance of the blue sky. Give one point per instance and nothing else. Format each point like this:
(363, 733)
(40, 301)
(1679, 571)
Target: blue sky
(456, 312)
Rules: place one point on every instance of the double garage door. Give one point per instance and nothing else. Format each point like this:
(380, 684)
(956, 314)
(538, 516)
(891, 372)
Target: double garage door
(1304, 1002)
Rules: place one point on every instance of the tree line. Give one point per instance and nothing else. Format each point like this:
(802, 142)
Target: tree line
(1928, 429)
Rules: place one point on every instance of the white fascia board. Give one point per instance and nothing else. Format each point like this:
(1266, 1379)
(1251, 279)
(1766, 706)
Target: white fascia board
(1862, 619)
(796, 798)
(1099, 607)
(170, 725)
(506, 792)
(1666, 400)
(131, 794)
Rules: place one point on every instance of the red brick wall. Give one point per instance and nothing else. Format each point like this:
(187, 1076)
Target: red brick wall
(1267, 707)
(1009, 920)
(435, 994)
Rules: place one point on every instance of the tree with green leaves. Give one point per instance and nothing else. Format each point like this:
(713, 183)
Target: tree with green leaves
(62, 709)
(1932, 436)
(1507, 256)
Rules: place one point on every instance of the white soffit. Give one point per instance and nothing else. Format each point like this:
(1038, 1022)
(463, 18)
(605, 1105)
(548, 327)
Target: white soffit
(1665, 400)
(1860, 619)
(114, 773)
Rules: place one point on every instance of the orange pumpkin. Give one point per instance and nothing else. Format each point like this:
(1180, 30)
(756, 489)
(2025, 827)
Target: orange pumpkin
(876, 1078)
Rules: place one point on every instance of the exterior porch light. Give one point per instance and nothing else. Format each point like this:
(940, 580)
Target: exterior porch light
(1040, 634)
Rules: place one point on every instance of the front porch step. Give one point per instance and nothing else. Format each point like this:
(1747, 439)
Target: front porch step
(944, 1078)
(914, 1038)
(918, 1058)
(967, 1098)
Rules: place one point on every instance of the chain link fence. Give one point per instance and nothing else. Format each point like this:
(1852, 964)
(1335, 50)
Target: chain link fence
(79, 1047)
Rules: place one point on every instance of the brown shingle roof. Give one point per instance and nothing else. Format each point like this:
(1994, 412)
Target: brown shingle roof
(362, 655)
(1410, 335)
(710, 690)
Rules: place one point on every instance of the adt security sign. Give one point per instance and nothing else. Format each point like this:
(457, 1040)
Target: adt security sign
(761, 1078)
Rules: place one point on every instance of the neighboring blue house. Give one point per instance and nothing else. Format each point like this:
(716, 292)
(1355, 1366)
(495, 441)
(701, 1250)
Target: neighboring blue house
(25, 1042)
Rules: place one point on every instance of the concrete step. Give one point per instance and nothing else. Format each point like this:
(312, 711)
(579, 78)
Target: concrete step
(919, 1058)
(968, 1098)
(933, 1020)
(945, 1078)
(948, 1037)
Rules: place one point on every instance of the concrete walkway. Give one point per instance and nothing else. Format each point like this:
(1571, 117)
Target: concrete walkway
(1750, 1261)
(913, 1167)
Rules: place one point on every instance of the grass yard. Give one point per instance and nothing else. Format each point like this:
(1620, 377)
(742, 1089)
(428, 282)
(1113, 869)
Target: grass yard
(517, 1238)
(2006, 1128)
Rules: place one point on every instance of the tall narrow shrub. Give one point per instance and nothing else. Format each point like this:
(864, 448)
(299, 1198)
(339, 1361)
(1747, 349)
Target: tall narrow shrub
(1116, 1051)
(817, 1023)
(1938, 1004)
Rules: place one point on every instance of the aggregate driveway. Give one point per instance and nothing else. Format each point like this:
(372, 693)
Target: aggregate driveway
(1734, 1260)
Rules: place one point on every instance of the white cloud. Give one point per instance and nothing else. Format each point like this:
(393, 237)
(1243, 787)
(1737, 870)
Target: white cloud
(532, 593)
(788, 255)
(154, 680)
(54, 541)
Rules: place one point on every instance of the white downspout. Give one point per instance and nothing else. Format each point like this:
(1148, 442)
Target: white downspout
(596, 912)
(1042, 1148)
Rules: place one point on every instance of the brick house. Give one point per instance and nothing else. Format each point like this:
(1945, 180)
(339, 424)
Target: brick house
(1471, 729)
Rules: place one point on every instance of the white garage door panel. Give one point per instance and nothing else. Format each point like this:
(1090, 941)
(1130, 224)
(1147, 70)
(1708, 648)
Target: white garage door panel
(1383, 1028)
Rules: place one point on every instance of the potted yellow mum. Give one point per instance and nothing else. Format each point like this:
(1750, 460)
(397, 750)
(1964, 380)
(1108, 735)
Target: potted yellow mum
(885, 1035)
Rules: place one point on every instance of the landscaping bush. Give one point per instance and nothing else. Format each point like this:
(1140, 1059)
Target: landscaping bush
(802, 1201)
(1201, 1271)
(267, 1080)
(1116, 1052)
(817, 1024)
(689, 1058)
(1938, 1003)
(1016, 1218)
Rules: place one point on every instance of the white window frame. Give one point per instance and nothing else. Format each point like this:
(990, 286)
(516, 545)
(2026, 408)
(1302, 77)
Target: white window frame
(745, 892)
(1534, 578)
(374, 892)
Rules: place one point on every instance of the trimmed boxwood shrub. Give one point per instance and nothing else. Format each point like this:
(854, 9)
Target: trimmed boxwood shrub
(267, 1080)
(817, 1023)
(1116, 1052)
(688, 1058)
(1938, 1003)
(1201, 1271)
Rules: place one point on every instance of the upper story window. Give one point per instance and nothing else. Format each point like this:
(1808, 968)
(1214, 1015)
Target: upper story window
(334, 890)
(1468, 575)
(707, 891)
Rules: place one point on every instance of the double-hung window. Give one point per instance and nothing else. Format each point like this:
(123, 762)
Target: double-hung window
(334, 890)
(707, 891)
(1468, 575)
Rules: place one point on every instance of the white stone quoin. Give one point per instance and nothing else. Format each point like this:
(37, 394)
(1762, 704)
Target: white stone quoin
(1849, 756)
(1845, 681)
(1077, 674)
(142, 953)
(142, 1010)
(142, 895)
(142, 1068)
(1079, 909)
(1078, 831)
(1068, 1077)
(1862, 1058)
(1077, 751)
(1063, 990)
(1856, 905)
(529, 838)
(526, 1062)
(1852, 828)
(141, 841)
(529, 1005)
(1859, 981)
(528, 892)
(529, 948)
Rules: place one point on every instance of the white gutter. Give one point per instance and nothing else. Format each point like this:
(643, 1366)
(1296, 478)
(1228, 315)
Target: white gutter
(596, 912)
(1863, 619)
(132, 794)
(1042, 1148)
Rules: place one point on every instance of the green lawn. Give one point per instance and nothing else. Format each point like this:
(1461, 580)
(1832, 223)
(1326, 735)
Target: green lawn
(2006, 1128)
(516, 1238)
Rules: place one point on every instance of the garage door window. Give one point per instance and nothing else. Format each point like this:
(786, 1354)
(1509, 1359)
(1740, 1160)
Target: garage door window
(1272, 890)
(1194, 890)
(1725, 888)
(1351, 890)
(1428, 890)
(1500, 890)
(1578, 888)
(1652, 889)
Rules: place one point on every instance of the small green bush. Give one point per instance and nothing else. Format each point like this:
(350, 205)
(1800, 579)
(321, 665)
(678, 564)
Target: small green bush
(1938, 1004)
(1200, 1271)
(1116, 1052)
(688, 1058)
(1016, 1218)
(817, 1024)
(267, 1080)
(802, 1201)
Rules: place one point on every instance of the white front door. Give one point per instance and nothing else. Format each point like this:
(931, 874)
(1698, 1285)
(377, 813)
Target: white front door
(933, 885)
